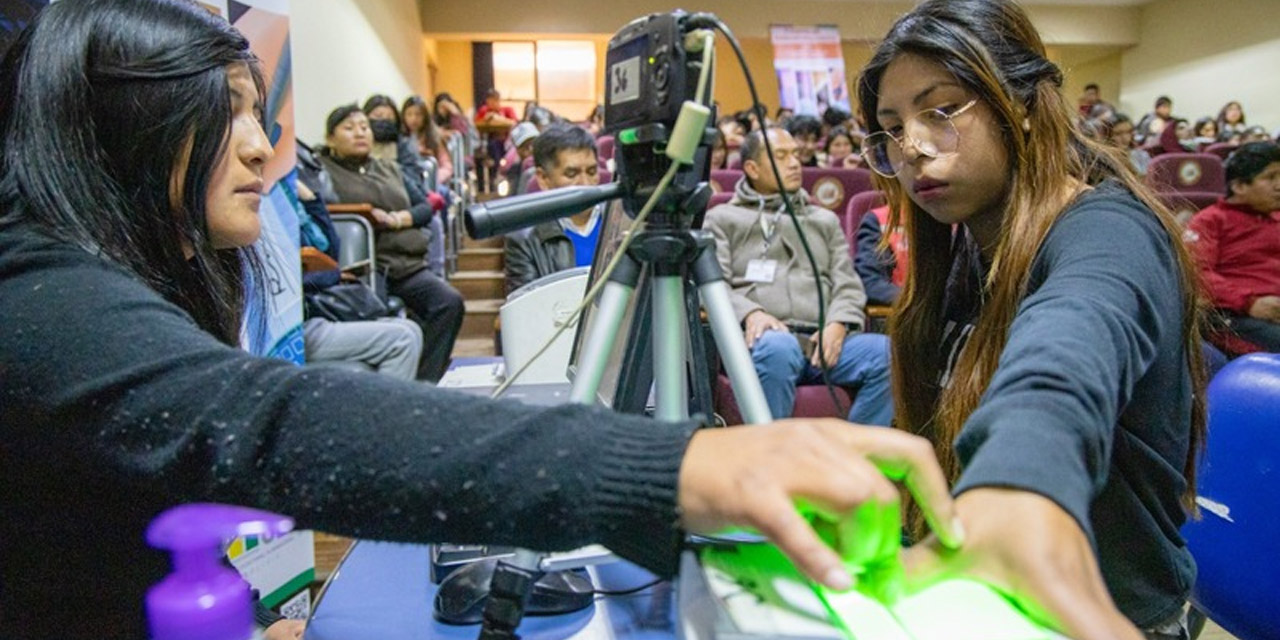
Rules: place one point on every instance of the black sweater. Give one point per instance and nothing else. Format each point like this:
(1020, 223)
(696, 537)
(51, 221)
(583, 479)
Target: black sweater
(114, 405)
(1091, 403)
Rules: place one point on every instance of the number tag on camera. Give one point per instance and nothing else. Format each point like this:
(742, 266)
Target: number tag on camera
(759, 270)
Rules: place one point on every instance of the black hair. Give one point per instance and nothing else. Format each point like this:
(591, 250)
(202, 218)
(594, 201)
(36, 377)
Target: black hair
(1202, 122)
(1091, 85)
(560, 137)
(835, 116)
(836, 132)
(379, 100)
(429, 134)
(101, 103)
(1246, 162)
(443, 96)
(802, 125)
(1164, 101)
(338, 115)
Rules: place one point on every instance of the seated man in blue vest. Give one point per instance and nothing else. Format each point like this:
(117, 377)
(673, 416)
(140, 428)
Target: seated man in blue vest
(564, 156)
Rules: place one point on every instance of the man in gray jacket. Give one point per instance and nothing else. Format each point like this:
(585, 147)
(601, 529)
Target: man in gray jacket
(563, 156)
(774, 289)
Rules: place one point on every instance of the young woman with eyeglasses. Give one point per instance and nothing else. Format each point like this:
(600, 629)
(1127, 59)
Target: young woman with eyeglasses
(1047, 338)
(130, 177)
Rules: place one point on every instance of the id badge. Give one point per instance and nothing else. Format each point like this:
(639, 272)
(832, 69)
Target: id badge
(760, 270)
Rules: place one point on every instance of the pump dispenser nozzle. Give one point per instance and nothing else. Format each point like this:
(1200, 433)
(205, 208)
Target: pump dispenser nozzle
(203, 599)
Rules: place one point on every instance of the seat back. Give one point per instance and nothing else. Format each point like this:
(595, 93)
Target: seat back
(604, 148)
(355, 243)
(1234, 542)
(1187, 172)
(718, 199)
(832, 188)
(1185, 204)
(858, 206)
(726, 179)
(1220, 149)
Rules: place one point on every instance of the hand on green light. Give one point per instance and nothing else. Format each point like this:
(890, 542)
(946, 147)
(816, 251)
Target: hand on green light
(1027, 547)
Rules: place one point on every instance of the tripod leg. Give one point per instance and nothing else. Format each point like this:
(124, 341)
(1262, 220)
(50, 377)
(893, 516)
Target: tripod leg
(603, 332)
(728, 335)
(670, 348)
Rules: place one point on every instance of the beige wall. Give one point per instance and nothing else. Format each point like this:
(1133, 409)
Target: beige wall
(345, 50)
(751, 18)
(1203, 55)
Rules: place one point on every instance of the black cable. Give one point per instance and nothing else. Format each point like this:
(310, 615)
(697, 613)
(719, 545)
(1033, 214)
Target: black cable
(786, 202)
(626, 592)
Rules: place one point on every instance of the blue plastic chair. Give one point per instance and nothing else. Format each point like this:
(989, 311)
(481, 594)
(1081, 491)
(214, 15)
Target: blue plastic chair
(1236, 543)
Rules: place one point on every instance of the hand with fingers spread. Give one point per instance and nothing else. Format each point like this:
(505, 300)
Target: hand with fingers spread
(754, 476)
(832, 339)
(1033, 551)
(757, 322)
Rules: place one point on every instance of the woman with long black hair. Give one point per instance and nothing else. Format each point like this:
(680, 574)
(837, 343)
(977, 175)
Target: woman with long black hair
(129, 187)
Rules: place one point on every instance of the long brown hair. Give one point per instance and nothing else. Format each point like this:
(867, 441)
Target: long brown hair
(991, 47)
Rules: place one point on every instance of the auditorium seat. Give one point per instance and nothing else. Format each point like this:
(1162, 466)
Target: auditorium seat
(832, 188)
(726, 179)
(1185, 204)
(1220, 149)
(858, 206)
(605, 148)
(1187, 173)
(812, 401)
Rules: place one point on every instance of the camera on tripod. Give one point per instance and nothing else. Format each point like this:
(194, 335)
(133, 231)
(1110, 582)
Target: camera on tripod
(653, 66)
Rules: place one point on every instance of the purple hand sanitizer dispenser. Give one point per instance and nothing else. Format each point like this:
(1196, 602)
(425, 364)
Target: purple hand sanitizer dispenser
(204, 599)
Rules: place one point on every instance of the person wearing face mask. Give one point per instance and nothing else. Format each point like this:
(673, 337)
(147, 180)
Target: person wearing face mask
(1047, 337)
(402, 213)
(125, 267)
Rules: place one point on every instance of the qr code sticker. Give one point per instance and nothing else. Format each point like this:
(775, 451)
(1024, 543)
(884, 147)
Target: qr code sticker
(297, 607)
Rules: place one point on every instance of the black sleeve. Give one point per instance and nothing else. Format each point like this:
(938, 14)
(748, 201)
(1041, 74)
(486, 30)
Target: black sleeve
(1082, 338)
(109, 376)
(874, 266)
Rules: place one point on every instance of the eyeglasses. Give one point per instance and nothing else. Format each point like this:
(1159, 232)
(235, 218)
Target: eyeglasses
(931, 132)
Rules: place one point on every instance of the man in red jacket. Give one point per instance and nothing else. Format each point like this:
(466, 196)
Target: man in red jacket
(1237, 244)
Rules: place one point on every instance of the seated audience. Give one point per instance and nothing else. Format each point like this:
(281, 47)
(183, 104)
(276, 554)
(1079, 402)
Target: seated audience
(732, 129)
(1152, 124)
(1255, 133)
(774, 292)
(389, 142)
(1231, 119)
(595, 121)
(420, 128)
(401, 213)
(522, 137)
(805, 131)
(840, 151)
(1175, 137)
(1235, 243)
(563, 156)
(494, 114)
(883, 271)
(389, 346)
(834, 117)
(1204, 133)
(719, 153)
(1121, 135)
(783, 115)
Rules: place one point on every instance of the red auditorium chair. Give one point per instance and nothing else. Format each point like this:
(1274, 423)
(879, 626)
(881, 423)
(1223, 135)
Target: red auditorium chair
(604, 148)
(735, 161)
(719, 198)
(812, 401)
(858, 206)
(832, 188)
(1186, 204)
(1220, 149)
(1187, 173)
(726, 179)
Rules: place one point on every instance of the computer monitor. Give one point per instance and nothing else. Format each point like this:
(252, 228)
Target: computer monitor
(614, 225)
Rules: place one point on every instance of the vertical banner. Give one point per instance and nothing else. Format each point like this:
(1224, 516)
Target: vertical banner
(810, 66)
(266, 24)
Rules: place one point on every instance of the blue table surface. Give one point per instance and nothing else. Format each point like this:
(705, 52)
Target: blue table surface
(383, 591)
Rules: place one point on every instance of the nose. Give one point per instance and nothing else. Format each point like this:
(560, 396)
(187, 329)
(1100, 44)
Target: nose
(255, 149)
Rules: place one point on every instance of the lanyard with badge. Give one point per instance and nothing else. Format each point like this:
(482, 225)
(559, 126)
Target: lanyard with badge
(764, 269)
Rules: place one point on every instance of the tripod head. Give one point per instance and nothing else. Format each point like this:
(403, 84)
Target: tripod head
(653, 67)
